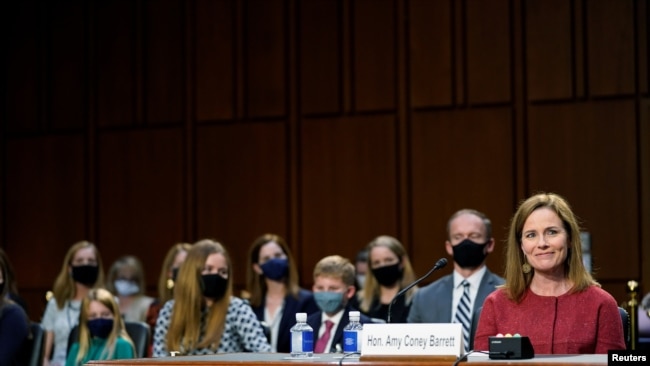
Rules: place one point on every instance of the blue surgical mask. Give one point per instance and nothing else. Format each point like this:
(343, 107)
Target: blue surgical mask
(100, 327)
(329, 302)
(361, 280)
(276, 268)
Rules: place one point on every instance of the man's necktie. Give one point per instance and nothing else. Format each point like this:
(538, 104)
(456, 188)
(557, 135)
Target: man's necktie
(324, 339)
(463, 313)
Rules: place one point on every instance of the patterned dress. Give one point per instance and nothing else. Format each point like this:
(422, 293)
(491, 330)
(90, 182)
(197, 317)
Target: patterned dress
(242, 332)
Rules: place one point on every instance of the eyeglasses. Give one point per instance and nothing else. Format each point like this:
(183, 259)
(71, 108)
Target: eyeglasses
(549, 234)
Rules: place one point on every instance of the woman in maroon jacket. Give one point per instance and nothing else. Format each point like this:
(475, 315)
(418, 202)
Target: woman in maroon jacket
(549, 296)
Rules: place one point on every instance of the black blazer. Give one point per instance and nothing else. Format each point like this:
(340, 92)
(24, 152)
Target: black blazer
(305, 303)
(316, 319)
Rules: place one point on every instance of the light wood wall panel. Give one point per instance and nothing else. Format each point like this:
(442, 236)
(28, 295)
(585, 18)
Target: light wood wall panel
(374, 74)
(488, 53)
(140, 195)
(215, 69)
(265, 58)
(320, 57)
(588, 153)
(549, 49)
(430, 53)
(45, 186)
(67, 102)
(348, 185)
(241, 185)
(610, 47)
(116, 62)
(163, 40)
(460, 159)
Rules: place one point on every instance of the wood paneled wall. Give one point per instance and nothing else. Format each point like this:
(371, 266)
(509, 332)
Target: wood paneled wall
(138, 124)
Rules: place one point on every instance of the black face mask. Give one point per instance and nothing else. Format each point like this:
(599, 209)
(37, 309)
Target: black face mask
(86, 275)
(469, 254)
(387, 275)
(100, 327)
(214, 286)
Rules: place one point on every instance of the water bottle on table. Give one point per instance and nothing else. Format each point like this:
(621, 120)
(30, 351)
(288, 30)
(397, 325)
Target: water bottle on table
(352, 334)
(302, 337)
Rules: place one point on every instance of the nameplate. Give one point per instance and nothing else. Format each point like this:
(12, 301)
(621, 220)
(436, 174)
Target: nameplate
(406, 339)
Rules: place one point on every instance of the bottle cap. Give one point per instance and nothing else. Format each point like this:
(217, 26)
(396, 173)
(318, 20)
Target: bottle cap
(301, 317)
(355, 315)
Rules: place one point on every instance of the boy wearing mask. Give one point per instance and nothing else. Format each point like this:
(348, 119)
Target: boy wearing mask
(334, 278)
(469, 241)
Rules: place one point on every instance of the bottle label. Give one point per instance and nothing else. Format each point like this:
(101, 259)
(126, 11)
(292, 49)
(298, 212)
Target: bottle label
(350, 341)
(302, 342)
(308, 341)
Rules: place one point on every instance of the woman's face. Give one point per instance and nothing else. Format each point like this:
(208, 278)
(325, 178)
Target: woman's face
(544, 241)
(84, 257)
(98, 310)
(216, 264)
(179, 258)
(270, 250)
(381, 256)
(126, 273)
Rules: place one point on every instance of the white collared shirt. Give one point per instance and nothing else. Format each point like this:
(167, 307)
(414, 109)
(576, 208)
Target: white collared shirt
(336, 319)
(474, 283)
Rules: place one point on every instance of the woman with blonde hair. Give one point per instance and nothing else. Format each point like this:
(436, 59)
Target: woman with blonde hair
(273, 289)
(204, 317)
(390, 272)
(82, 270)
(169, 271)
(102, 335)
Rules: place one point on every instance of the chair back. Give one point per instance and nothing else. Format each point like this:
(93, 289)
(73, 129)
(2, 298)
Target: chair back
(31, 352)
(139, 332)
(625, 318)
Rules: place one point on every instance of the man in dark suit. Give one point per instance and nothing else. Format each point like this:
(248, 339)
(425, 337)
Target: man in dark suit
(469, 242)
(334, 278)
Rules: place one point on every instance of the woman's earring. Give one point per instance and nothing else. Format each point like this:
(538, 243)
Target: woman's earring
(170, 284)
(526, 268)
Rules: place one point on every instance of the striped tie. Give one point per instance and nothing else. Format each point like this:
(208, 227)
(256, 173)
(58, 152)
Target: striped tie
(463, 313)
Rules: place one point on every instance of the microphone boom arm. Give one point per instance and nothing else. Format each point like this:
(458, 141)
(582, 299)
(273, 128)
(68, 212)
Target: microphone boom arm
(439, 264)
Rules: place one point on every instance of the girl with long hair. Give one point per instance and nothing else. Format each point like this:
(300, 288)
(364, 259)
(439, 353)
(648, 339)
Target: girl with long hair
(102, 335)
(204, 317)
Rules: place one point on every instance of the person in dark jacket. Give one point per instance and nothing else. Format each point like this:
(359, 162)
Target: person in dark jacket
(272, 289)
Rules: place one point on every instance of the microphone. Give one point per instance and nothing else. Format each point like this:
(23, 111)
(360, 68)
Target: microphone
(439, 264)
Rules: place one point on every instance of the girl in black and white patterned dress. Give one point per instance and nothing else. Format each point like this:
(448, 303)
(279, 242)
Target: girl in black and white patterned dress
(204, 317)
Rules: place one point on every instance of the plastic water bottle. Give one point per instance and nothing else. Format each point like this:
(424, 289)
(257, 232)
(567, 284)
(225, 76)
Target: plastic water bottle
(302, 337)
(351, 334)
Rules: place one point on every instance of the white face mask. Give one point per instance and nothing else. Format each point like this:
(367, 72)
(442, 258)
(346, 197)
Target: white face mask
(361, 279)
(126, 287)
